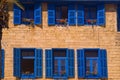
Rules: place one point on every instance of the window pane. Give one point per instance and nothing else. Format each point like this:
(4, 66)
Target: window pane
(87, 67)
(27, 66)
(95, 67)
(56, 69)
(63, 68)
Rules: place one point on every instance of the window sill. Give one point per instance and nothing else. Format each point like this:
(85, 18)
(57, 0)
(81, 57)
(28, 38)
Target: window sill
(27, 76)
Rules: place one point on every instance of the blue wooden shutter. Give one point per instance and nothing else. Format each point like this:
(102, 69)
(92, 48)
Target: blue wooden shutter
(118, 18)
(17, 15)
(103, 62)
(37, 14)
(17, 56)
(49, 63)
(71, 69)
(101, 15)
(2, 67)
(51, 14)
(80, 15)
(38, 63)
(71, 15)
(81, 63)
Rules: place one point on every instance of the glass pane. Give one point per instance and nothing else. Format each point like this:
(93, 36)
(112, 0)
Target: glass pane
(27, 66)
(95, 66)
(87, 67)
(63, 68)
(56, 69)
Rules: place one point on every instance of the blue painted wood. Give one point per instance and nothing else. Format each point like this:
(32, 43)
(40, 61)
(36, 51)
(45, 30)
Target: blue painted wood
(104, 71)
(71, 66)
(101, 15)
(81, 63)
(2, 60)
(27, 76)
(49, 63)
(17, 15)
(91, 67)
(51, 14)
(37, 13)
(80, 15)
(60, 67)
(38, 63)
(17, 56)
(71, 15)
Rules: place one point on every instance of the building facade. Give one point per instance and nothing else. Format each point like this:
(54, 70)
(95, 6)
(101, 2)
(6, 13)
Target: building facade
(62, 40)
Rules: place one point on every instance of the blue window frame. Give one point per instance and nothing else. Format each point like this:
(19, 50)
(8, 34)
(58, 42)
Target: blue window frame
(27, 63)
(59, 63)
(92, 63)
(91, 15)
(2, 64)
(31, 15)
(61, 14)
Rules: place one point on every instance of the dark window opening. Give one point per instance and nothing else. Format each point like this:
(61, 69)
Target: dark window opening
(90, 15)
(118, 18)
(27, 61)
(91, 53)
(91, 62)
(28, 14)
(59, 53)
(61, 15)
(27, 53)
(27, 66)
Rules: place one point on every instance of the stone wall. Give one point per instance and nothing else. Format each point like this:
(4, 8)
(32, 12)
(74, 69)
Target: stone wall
(44, 36)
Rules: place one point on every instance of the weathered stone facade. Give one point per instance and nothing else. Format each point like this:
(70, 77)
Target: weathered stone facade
(44, 36)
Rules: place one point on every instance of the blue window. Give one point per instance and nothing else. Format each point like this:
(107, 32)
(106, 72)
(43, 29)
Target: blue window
(2, 64)
(92, 63)
(59, 63)
(91, 15)
(31, 14)
(27, 63)
(61, 14)
(118, 18)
